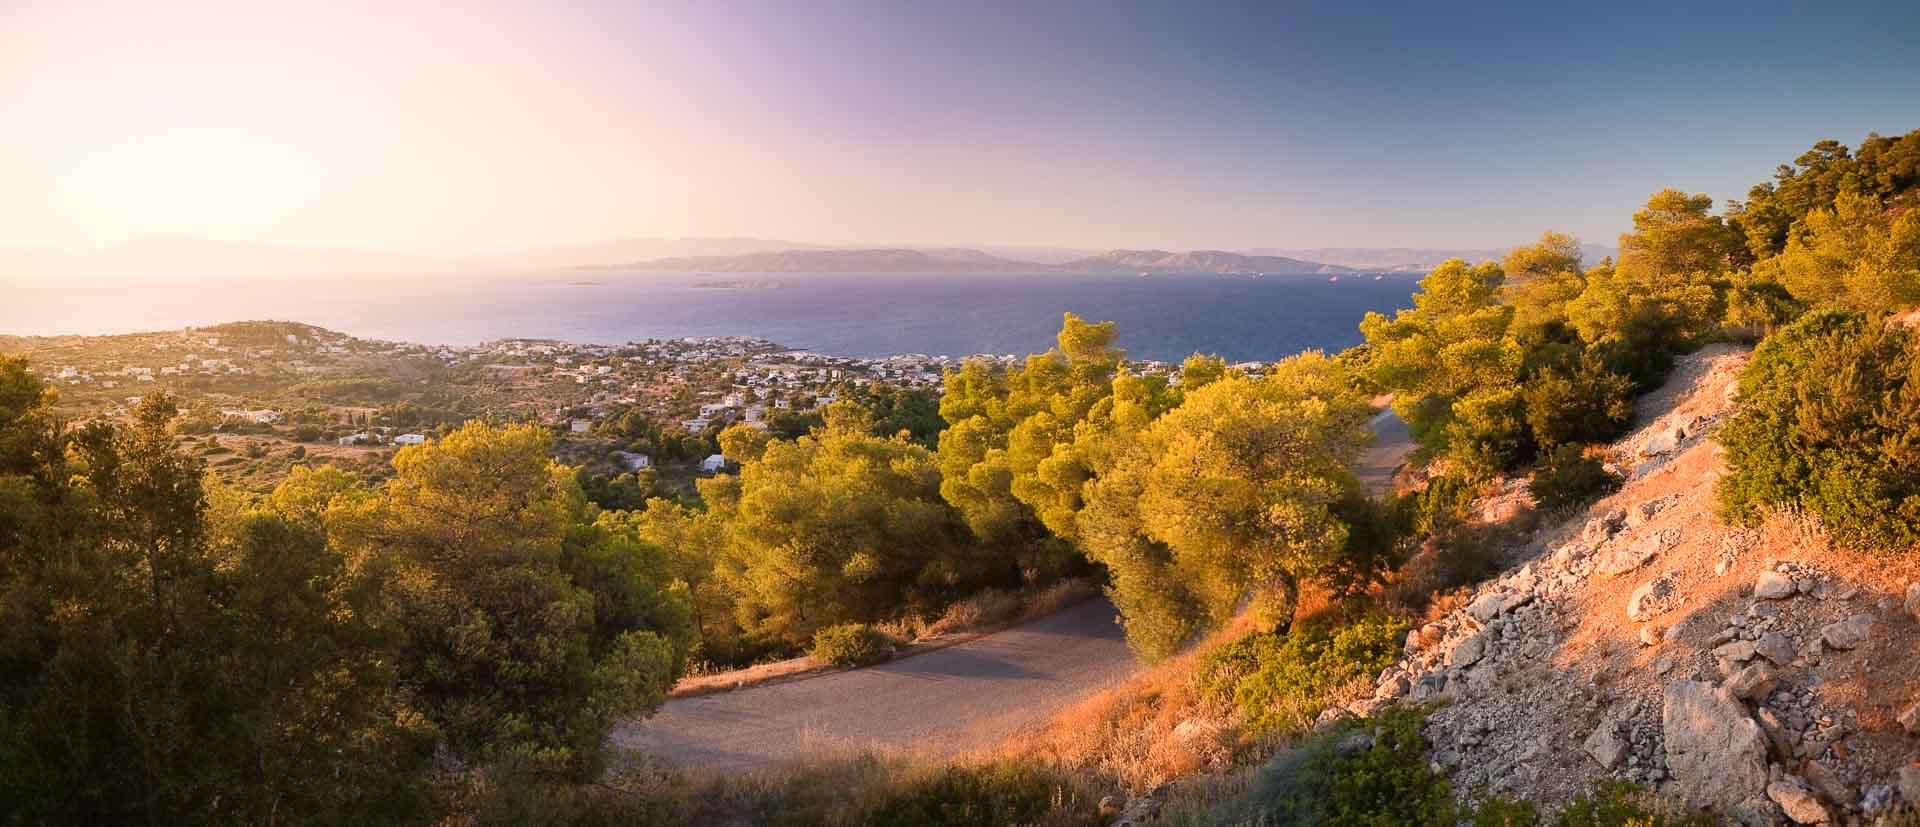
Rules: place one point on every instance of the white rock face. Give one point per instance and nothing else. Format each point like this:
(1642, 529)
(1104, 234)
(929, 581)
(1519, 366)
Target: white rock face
(1715, 753)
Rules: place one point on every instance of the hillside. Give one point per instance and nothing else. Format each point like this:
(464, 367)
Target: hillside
(843, 261)
(1753, 672)
(1199, 261)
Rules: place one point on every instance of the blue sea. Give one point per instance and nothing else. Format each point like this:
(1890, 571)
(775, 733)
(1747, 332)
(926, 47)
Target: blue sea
(1162, 317)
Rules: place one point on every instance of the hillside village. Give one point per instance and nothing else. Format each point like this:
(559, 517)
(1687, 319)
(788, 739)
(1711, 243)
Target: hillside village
(269, 388)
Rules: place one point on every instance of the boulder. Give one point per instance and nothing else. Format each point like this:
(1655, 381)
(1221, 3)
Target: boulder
(1600, 529)
(1468, 651)
(1739, 651)
(1913, 601)
(1797, 801)
(1646, 600)
(1716, 755)
(1662, 443)
(1775, 647)
(1605, 745)
(1773, 585)
(1848, 634)
(1752, 683)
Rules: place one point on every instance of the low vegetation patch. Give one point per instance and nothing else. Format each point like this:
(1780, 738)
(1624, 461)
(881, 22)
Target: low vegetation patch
(851, 644)
(1281, 681)
(1569, 478)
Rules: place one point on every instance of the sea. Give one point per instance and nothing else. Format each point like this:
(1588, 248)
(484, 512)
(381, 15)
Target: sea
(1160, 317)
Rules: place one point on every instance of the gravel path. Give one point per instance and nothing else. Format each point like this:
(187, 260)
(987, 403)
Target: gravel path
(949, 701)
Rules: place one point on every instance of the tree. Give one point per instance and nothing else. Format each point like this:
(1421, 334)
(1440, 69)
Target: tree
(526, 631)
(156, 666)
(1233, 492)
(838, 526)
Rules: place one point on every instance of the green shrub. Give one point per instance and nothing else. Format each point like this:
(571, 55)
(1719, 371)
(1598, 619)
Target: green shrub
(1830, 422)
(851, 644)
(1571, 478)
(1620, 804)
(1281, 682)
(1340, 778)
(1004, 794)
(1585, 402)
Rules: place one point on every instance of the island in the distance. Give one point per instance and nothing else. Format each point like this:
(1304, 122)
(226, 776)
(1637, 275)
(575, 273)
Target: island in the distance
(964, 261)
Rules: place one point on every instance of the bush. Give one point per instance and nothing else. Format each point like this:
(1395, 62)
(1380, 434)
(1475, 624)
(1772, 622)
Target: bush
(1619, 804)
(1366, 772)
(1281, 682)
(1830, 423)
(1583, 403)
(1008, 793)
(851, 644)
(1571, 478)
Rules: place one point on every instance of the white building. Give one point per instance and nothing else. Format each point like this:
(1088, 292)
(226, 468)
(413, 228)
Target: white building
(633, 461)
(410, 439)
(713, 464)
(581, 426)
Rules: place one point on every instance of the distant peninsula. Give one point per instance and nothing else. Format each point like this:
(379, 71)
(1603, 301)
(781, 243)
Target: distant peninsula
(965, 261)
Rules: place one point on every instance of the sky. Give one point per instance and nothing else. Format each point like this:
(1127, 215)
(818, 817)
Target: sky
(476, 127)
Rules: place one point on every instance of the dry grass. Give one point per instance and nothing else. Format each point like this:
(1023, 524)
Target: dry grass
(1127, 733)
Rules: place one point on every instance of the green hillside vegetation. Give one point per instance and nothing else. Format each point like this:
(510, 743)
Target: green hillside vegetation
(459, 635)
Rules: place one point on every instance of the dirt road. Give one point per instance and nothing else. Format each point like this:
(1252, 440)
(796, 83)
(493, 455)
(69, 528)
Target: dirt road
(945, 702)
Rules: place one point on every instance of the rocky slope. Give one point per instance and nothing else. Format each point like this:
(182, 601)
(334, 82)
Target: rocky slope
(1760, 672)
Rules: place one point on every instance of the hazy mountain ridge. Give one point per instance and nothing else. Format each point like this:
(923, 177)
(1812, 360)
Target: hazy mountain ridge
(844, 261)
(1200, 261)
(1409, 259)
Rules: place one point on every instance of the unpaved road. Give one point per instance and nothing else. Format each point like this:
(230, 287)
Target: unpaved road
(945, 702)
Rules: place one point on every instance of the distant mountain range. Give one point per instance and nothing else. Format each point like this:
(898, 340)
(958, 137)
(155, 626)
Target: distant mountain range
(186, 258)
(1408, 259)
(1200, 261)
(844, 261)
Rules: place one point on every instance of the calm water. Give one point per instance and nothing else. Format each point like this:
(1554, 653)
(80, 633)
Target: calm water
(855, 315)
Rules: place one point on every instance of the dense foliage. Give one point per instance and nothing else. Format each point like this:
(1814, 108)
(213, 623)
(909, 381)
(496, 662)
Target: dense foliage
(170, 651)
(1830, 422)
(1281, 682)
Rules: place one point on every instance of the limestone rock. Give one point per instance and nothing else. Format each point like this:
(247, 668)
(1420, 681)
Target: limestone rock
(1773, 585)
(1775, 647)
(1799, 803)
(1468, 651)
(1715, 753)
(1605, 744)
(1849, 633)
(1645, 600)
(1739, 651)
(1627, 558)
(1752, 683)
(1662, 443)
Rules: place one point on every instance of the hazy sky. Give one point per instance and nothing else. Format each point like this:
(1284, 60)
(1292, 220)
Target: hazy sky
(452, 127)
